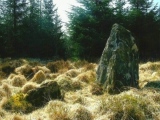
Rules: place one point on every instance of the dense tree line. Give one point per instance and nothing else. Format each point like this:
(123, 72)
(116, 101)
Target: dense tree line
(90, 25)
(30, 28)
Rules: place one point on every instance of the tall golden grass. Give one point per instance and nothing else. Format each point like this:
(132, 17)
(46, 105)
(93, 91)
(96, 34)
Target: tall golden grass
(83, 98)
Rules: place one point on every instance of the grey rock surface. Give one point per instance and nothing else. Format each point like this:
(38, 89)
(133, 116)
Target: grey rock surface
(40, 96)
(118, 65)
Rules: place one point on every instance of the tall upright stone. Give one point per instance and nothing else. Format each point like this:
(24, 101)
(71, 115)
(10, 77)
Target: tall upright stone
(118, 65)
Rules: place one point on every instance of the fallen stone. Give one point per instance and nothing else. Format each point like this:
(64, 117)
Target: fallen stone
(153, 84)
(47, 91)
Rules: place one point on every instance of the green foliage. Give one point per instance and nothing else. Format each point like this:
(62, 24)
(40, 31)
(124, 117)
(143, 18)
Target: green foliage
(89, 27)
(17, 103)
(143, 21)
(30, 29)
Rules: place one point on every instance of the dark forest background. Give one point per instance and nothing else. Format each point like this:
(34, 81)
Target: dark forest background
(32, 28)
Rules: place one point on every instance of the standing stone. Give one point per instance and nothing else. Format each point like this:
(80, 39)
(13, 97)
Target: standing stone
(118, 65)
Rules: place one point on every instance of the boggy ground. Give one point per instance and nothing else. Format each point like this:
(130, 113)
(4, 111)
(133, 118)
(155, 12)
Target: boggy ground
(83, 98)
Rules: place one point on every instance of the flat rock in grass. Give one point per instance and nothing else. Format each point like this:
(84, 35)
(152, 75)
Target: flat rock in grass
(47, 91)
(118, 65)
(153, 84)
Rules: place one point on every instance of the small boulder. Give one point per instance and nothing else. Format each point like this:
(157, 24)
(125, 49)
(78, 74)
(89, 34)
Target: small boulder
(118, 65)
(47, 91)
(153, 84)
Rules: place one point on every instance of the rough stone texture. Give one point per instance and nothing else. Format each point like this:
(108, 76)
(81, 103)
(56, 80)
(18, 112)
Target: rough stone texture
(118, 65)
(47, 91)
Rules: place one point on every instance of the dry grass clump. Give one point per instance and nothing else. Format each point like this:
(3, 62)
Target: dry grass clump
(43, 68)
(79, 112)
(6, 89)
(151, 93)
(2, 94)
(18, 81)
(77, 85)
(80, 63)
(2, 75)
(65, 82)
(17, 117)
(17, 103)
(87, 77)
(72, 73)
(148, 72)
(28, 86)
(11, 76)
(2, 113)
(73, 98)
(57, 110)
(39, 77)
(130, 105)
(83, 98)
(96, 89)
(150, 66)
(59, 66)
(90, 66)
(52, 75)
(25, 70)
(8, 66)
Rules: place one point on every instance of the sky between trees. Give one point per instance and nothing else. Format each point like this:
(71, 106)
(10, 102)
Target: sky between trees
(64, 5)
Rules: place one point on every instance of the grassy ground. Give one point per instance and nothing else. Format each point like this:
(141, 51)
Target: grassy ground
(83, 99)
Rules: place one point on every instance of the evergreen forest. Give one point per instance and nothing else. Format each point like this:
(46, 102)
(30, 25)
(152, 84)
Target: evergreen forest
(33, 28)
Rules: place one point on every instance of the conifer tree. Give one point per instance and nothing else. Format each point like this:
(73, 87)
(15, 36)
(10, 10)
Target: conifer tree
(144, 24)
(13, 14)
(89, 27)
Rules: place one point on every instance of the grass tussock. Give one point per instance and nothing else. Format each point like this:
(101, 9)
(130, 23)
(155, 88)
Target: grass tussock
(79, 112)
(80, 63)
(57, 110)
(90, 66)
(96, 89)
(2, 113)
(77, 85)
(72, 73)
(39, 77)
(7, 89)
(2, 75)
(83, 99)
(52, 75)
(25, 70)
(87, 77)
(17, 117)
(17, 103)
(148, 72)
(43, 68)
(18, 80)
(65, 82)
(2, 94)
(60, 66)
(28, 86)
(130, 105)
